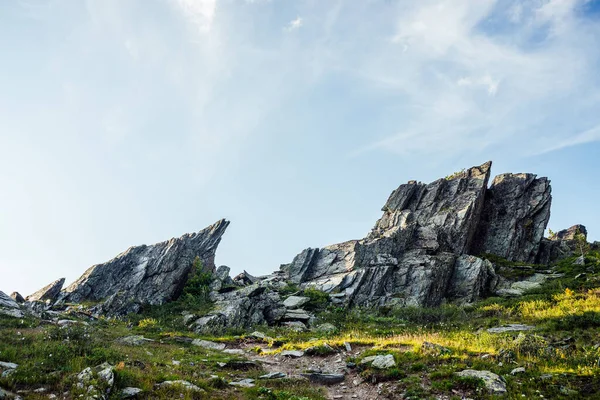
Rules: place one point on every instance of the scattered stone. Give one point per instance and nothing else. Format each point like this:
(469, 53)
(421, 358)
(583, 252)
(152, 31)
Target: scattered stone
(238, 352)
(347, 346)
(246, 383)
(519, 370)
(384, 362)
(207, 344)
(273, 375)
(511, 328)
(258, 335)
(180, 383)
(296, 326)
(8, 365)
(292, 353)
(326, 328)
(134, 340)
(298, 314)
(324, 379)
(435, 348)
(493, 383)
(295, 301)
(130, 392)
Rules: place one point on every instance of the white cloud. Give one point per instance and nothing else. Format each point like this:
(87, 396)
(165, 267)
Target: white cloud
(294, 24)
(588, 136)
(200, 13)
(471, 85)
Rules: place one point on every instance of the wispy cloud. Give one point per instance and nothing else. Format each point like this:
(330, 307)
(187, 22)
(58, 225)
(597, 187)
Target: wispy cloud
(474, 74)
(588, 136)
(294, 24)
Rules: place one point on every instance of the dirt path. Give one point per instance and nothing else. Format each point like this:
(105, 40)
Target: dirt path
(353, 386)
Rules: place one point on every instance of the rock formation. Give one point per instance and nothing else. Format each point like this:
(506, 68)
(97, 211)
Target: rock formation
(560, 245)
(420, 251)
(144, 274)
(9, 307)
(409, 256)
(47, 293)
(514, 218)
(427, 248)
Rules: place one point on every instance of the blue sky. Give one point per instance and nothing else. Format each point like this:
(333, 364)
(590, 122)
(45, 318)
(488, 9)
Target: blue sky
(130, 122)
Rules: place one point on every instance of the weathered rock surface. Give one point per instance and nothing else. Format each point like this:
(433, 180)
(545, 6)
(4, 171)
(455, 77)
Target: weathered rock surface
(383, 362)
(562, 244)
(493, 383)
(9, 307)
(409, 256)
(419, 252)
(243, 308)
(47, 293)
(473, 278)
(144, 274)
(514, 218)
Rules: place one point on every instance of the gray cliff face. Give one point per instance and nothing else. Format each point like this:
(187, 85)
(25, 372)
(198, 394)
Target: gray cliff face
(144, 274)
(409, 256)
(47, 293)
(514, 218)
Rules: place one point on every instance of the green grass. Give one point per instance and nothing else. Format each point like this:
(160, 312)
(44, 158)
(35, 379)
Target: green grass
(561, 357)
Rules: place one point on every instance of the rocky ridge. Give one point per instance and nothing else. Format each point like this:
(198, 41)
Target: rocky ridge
(428, 248)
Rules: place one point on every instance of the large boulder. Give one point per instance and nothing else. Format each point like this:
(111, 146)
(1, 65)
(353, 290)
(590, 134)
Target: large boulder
(409, 256)
(514, 218)
(9, 307)
(243, 308)
(146, 275)
(47, 293)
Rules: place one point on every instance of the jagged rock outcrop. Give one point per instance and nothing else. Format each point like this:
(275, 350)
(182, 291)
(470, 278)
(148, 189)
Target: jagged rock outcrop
(409, 256)
(561, 244)
(419, 252)
(47, 293)
(9, 307)
(514, 218)
(144, 274)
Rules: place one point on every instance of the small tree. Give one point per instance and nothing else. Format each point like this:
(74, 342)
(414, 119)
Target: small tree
(581, 243)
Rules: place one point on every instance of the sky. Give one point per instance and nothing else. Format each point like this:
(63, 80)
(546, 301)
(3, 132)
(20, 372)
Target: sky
(131, 122)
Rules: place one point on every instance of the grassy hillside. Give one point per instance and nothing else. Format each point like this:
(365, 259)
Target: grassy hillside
(560, 357)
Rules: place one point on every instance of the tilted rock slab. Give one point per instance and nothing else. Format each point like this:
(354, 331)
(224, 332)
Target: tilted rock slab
(47, 293)
(515, 216)
(409, 257)
(146, 275)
